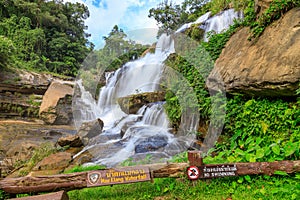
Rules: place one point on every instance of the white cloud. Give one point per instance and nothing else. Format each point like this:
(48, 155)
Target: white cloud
(129, 15)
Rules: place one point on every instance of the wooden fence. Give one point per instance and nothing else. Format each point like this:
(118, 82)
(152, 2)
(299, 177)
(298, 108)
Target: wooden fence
(195, 169)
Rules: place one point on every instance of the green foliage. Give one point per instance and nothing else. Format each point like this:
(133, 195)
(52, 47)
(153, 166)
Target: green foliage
(81, 168)
(6, 52)
(167, 15)
(180, 158)
(249, 13)
(241, 4)
(46, 35)
(195, 33)
(192, 9)
(275, 11)
(260, 130)
(217, 42)
(218, 5)
(173, 109)
(117, 51)
(247, 187)
(194, 67)
(132, 54)
(38, 154)
(170, 16)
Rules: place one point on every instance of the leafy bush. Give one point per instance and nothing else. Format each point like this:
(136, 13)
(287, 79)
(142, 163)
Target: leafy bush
(260, 130)
(194, 67)
(217, 42)
(218, 5)
(275, 11)
(6, 51)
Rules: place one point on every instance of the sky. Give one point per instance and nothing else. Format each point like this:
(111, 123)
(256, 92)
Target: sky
(130, 15)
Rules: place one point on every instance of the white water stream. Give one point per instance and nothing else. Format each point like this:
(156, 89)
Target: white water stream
(135, 135)
(147, 132)
(216, 23)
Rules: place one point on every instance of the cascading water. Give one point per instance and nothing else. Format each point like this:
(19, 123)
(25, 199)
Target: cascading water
(221, 21)
(136, 135)
(147, 132)
(217, 23)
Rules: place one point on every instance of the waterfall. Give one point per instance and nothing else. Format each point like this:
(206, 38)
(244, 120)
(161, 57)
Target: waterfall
(135, 136)
(216, 23)
(154, 114)
(200, 20)
(220, 22)
(148, 132)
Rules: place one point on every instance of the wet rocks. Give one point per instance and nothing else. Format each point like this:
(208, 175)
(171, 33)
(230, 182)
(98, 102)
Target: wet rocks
(131, 104)
(89, 130)
(70, 140)
(151, 144)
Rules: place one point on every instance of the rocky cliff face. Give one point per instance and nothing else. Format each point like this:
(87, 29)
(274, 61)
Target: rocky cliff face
(261, 6)
(269, 66)
(33, 95)
(21, 93)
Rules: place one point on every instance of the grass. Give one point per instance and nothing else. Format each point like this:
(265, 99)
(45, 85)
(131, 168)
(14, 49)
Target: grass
(39, 154)
(256, 187)
(84, 169)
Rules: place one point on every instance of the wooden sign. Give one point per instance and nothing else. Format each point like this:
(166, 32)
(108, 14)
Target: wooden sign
(118, 176)
(218, 171)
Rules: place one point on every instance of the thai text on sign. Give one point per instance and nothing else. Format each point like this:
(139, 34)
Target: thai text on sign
(218, 171)
(118, 176)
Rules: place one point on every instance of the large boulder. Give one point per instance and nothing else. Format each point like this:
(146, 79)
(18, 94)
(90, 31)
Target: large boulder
(269, 66)
(70, 140)
(56, 107)
(131, 104)
(89, 130)
(57, 161)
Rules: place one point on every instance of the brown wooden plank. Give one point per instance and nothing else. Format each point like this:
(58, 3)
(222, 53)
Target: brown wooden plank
(79, 180)
(61, 195)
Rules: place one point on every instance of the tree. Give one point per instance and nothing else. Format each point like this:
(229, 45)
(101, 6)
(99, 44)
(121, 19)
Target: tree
(167, 15)
(170, 16)
(46, 34)
(6, 51)
(119, 49)
(192, 9)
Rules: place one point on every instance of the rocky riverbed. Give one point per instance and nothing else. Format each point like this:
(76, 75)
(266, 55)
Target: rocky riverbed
(19, 139)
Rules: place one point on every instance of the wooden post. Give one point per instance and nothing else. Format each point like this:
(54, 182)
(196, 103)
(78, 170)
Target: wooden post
(195, 158)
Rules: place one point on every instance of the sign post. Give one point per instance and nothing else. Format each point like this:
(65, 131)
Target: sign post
(208, 171)
(118, 176)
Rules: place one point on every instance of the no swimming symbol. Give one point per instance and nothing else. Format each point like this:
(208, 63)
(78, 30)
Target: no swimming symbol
(193, 173)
